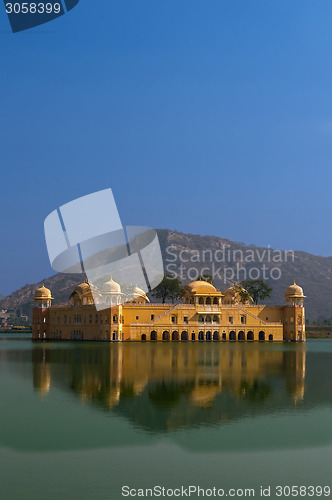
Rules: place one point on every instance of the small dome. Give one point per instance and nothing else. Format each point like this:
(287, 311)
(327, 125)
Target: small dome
(138, 292)
(111, 286)
(294, 291)
(43, 293)
(201, 286)
(85, 289)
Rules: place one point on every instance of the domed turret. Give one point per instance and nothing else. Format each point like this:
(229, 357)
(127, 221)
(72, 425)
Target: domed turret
(201, 292)
(294, 294)
(43, 297)
(111, 286)
(111, 292)
(140, 295)
(84, 294)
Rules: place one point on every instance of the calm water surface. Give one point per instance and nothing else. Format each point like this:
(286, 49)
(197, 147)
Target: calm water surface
(79, 420)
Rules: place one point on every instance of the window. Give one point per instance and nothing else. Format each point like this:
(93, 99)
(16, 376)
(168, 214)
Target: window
(152, 317)
(267, 318)
(230, 319)
(174, 319)
(137, 317)
(243, 320)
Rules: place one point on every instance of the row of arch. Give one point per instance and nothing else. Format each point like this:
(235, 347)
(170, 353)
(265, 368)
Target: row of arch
(207, 336)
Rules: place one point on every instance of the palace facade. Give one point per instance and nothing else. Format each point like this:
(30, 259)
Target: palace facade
(205, 314)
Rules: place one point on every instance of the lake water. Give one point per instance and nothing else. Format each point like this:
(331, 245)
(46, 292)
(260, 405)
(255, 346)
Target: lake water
(81, 420)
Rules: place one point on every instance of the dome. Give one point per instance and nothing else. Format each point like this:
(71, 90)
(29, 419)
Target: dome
(85, 289)
(82, 288)
(111, 286)
(201, 286)
(294, 291)
(138, 292)
(43, 293)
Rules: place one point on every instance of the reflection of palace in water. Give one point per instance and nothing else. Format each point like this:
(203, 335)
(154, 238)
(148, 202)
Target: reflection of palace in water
(173, 382)
(205, 314)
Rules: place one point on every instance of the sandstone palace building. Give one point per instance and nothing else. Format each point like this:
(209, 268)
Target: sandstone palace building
(205, 314)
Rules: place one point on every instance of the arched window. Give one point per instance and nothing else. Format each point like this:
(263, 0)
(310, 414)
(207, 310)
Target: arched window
(201, 336)
(232, 335)
(184, 335)
(175, 335)
(270, 337)
(261, 336)
(216, 336)
(166, 335)
(143, 336)
(201, 301)
(208, 336)
(250, 335)
(153, 335)
(215, 319)
(241, 335)
(208, 301)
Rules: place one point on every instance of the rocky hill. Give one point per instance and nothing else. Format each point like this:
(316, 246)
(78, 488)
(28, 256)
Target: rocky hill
(227, 261)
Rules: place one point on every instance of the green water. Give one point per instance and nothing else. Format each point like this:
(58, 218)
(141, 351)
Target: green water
(81, 420)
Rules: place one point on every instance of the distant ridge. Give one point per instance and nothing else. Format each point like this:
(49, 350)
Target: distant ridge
(313, 273)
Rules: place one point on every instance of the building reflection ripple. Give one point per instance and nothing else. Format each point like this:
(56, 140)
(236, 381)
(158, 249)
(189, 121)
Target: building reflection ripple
(162, 387)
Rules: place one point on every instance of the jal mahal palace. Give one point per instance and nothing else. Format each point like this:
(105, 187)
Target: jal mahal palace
(205, 314)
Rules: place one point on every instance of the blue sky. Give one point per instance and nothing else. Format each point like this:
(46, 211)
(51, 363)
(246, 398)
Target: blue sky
(205, 117)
